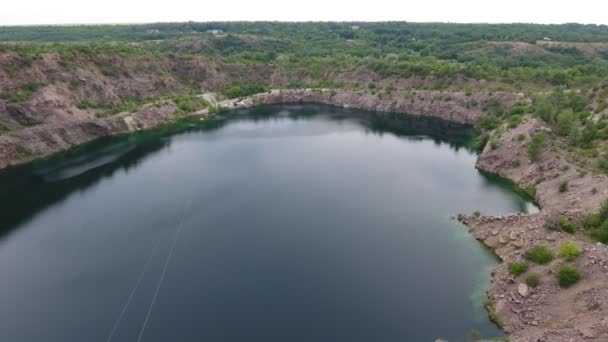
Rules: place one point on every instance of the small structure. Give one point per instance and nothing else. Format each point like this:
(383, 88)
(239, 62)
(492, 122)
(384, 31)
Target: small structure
(215, 31)
(547, 39)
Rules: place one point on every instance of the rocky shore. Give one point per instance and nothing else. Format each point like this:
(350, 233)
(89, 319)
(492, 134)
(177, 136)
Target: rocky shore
(547, 312)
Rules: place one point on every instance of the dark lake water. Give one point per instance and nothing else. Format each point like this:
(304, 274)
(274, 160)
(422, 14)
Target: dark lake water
(284, 223)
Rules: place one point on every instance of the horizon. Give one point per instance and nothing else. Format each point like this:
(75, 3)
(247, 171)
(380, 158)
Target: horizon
(298, 21)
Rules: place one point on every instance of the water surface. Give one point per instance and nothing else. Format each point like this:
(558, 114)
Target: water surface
(286, 223)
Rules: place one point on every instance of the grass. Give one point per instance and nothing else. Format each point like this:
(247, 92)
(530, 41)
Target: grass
(129, 105)
(596, 224)
(563, 186)
(244, 89)
(566, 226)
(567, 276)
(569, 250)
(533, 280)
(190, 103)
(518, 267)
(539, 254)
(22, 94)
(536, 146)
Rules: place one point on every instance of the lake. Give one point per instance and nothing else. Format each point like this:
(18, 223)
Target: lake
(281, 223)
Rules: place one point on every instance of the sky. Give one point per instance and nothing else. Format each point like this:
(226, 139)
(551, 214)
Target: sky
(31, 12)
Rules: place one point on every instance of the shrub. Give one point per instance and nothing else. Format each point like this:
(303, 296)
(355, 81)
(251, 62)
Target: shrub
(521, 137)
(565, 225)
(536, 146)
(518, 267)
(481, 141)
(494, 143)
(477, 213)
(22, 94)
(569, 250)
(244, 89)
(567, 276)
(190, 103)
(563, 186)
(533, 280)
(539, 254)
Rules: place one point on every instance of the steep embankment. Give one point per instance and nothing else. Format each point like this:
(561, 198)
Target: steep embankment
(34, 142)
(58, 100)
(547, 312)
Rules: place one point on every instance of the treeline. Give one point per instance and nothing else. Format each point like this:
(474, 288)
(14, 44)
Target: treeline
(397, 34)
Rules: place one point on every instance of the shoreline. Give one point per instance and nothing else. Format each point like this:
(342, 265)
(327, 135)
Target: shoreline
(536, 316)
(39, 141)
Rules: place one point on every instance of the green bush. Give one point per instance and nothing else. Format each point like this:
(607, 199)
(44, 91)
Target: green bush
(518, 267)
(567, 276)
(536, 146)
(190, 103)
(539, 254)
(22, 94)
(244, 89)
(569, 250)
(566, 226)
(533, 280)
(563, 186)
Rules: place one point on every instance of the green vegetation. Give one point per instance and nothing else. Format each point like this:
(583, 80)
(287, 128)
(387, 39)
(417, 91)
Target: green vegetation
(536, 146)
(563, 186)
(539, 254)
(190, 103)
(244, 89)
(565, 225)
(518, 267)
(22, 93)
(567, 276)
(596, 224)
(533, 280)
(569, 250)
(130, 106)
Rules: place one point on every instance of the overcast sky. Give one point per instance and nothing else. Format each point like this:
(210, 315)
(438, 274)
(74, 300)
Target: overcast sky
(27, 12)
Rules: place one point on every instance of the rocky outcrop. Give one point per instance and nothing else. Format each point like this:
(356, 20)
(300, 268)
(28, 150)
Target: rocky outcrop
(39, 141)
(451, 106)
(547, 312)
(55, 135)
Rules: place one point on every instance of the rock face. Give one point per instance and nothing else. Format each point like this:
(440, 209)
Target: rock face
(546, 312)
(55, 135)
(451, 106)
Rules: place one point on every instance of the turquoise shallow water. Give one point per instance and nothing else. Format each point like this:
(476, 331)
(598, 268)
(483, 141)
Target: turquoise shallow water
(284, 223)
